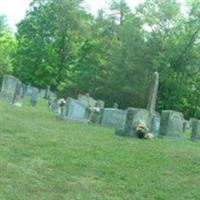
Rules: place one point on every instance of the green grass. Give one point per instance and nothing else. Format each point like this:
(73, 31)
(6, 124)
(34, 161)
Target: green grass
(42, 158)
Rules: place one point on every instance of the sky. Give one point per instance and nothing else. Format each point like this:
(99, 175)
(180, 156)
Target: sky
(15, 10)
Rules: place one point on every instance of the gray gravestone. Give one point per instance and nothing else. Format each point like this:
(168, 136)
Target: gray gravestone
(11, 89)
(75, 110)
(47, 92)
(29, 90)
(42, 93)
(18, 95)
(155, 126)
(135, 116)
(34, 96)
(114, 118)
(195, 129)
(171, 123)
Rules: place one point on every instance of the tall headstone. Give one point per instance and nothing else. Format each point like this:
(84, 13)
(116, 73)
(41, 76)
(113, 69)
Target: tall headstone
(114, 118)
(75, 110)
(171, 123)
(195, 129)
(10, 88)
(135, 117)
(153, 94)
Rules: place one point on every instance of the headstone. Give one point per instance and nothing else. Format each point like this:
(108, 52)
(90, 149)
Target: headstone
(18, 95)
(47, 92)
(42, 93)
(153, 94)
(34, 96)
(135, 116)
(115, 105)
(75, 110)
(171, 123)
(114, 118)
(29, 90)
(155, 126)
(87, 100)
(10, 90)
(195, 129)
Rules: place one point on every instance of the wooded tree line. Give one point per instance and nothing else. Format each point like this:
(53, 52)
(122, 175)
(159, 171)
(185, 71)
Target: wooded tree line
(111, 56)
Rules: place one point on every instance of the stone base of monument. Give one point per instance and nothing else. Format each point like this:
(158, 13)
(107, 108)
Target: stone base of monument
(171, 125)
(135, 117)
(195, 136)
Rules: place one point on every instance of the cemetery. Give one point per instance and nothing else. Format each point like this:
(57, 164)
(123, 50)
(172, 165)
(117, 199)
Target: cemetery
(129, 122)
(100, 100)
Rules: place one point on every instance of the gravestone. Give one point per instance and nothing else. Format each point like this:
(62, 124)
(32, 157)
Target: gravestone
(135, 116)
(29, 90)
(10, 90)
(155, 123)
(195, 129)
(42, 93)
(18, 95)
(34, 96)
(97, 112)
(47, 92)
(171, 123)
(75, 110)
(114, 118)
(116, 105)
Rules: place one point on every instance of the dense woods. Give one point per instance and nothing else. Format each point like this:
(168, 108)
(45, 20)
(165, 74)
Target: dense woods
(112, 55)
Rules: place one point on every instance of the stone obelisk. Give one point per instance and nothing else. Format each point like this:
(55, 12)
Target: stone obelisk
(153, 94)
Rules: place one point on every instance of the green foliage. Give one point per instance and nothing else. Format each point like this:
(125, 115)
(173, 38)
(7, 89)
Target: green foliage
(7, 47)
(113, 55)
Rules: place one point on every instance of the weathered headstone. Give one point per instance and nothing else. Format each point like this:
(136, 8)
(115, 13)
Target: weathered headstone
(116, 105)
(42, 93)
(18, 95)
(155, 126)
(47, 92)
(171, 123)
(195, 129)
(114, 118)
(10, 89)
(135, 116)
(153, 94)
(75, 110)
(34, 96)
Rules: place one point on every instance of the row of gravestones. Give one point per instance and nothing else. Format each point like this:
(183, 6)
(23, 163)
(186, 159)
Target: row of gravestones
(169, 124)
(14, 91)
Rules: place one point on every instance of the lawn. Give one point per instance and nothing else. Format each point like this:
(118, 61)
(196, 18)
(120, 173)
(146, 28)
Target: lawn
(42, 158)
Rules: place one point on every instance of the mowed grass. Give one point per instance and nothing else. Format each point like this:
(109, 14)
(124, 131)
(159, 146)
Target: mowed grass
(42, 158)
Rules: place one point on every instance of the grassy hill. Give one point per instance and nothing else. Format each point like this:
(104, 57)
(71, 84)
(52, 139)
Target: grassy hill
(42, 158)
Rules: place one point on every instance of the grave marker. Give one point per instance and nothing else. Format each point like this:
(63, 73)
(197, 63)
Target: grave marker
(114, 118)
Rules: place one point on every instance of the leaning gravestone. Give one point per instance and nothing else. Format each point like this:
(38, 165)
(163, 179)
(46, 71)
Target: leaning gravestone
(195, 129)
(114, 118)
(135, 116)
(171, 123)
(10, 90)
(75, 110)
